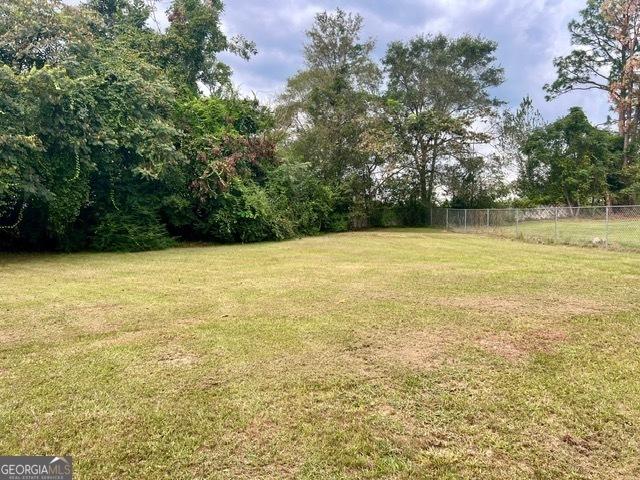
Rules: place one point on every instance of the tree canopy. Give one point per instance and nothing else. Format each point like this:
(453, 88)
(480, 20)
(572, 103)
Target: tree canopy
(438, 88)
(116, 134)
(607, 41)
(570, 161)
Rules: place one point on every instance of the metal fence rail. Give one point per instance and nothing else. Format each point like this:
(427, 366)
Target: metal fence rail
(606, 227)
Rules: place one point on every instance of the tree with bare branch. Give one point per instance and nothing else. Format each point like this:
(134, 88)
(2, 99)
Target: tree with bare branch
(606, 57)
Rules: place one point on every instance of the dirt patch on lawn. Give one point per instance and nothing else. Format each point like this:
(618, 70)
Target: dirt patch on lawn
(527, 306)
(414, 348)
(432, 348)
(584, 446)
(503, 345)
(514, 347)
(419, 349)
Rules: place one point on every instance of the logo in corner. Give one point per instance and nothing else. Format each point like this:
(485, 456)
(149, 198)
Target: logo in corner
(36, 468)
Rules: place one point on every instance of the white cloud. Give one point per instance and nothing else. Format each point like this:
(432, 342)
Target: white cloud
(530, 33)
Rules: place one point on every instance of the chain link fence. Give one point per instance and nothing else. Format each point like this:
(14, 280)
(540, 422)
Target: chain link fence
(606, 227)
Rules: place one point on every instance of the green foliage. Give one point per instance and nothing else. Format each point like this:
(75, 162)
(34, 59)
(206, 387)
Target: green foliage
(192, 41)
(84, 127)
(514, 130)
(475, 182)
(596, 51)
(17, 145)
(36, 33)
(630, 193)
(300, 195)
(245, 213)
(605, 58)
(570, 162)
(438, 89)
(338, 222)
(107, 143)
(119, 16)
(96, 151)
(293, 202)
(327, 105)
(131, 232)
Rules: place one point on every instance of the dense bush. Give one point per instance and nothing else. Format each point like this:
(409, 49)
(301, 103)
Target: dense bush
(110, 146)
(301, 197)
(130, 232)
(245, 213)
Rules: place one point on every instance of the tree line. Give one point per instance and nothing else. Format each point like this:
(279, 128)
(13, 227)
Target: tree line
(118, 135)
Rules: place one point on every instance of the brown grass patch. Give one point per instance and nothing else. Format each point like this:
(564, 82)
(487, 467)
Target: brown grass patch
(11, 337)
(582, 445)
(116, 338)
(527, 306)
(503, 345)
(514, 347)
(92, 319)
(416, 349)
(178, 358)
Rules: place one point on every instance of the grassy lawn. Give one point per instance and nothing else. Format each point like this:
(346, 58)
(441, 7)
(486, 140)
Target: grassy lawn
(623, 234)
(395, 354)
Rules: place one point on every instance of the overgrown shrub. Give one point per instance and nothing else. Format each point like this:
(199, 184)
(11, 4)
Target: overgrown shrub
(246, 214)
(301, 197)
(130, 232)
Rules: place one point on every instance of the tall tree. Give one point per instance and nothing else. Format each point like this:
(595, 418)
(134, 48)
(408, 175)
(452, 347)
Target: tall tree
(571, 162)
(606, 57)
(192, 42)
(188, 49)
(325, 106)
(438, 90)
(513, 131)
(475, 181)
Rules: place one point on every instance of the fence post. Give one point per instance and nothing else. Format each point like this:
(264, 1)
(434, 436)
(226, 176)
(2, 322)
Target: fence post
(606, 235)
(465, 219)
(488, 223)
(556, 225)
(447, 220)
(517, 223)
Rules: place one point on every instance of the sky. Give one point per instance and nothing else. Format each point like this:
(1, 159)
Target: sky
(530, 33)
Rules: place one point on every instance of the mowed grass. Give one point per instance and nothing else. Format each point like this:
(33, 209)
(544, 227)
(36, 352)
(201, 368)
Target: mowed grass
(392, 354)
(620, 234)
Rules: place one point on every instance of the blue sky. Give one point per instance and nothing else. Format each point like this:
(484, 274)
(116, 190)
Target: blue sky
(530, 34)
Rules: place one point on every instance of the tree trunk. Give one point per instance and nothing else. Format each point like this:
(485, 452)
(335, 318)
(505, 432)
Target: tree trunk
(424, 201)
(432, 176)
(624, 117)
(567, 198)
